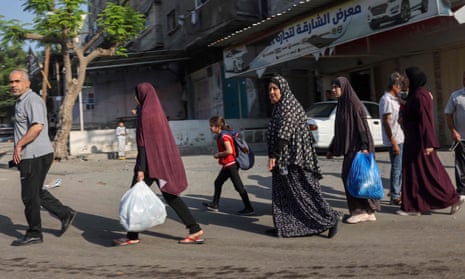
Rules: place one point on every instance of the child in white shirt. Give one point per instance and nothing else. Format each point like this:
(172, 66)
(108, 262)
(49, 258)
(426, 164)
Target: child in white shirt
(121, 134)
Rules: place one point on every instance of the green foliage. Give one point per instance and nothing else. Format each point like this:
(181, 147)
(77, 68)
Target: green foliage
(12, 57)
(60, 21)
(12, 32)
(56, 18)
(120, 24)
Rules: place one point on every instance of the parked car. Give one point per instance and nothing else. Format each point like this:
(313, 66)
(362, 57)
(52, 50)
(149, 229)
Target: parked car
(321, 117)
(395, 11)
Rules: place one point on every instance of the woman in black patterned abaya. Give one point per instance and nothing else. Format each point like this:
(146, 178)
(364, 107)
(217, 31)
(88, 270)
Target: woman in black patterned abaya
(299, 208)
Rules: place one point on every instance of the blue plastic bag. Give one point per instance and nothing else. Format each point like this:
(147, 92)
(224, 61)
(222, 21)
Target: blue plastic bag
(364, 179)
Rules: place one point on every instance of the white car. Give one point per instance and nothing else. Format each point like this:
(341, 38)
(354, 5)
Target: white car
(321, 116)
(395, 11)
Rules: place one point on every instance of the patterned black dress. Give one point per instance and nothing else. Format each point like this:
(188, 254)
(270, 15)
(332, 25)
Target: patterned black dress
(298, 206)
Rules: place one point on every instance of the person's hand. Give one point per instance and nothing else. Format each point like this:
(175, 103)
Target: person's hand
(17, 155)
(271, 163)
(456, 136)
(396, 149)
(329, 155)
(140, 176)
(428, 151)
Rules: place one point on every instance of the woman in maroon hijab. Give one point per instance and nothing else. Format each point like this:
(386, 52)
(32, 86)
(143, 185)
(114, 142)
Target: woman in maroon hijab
(425, 183)
(351, 135)
(159, 160)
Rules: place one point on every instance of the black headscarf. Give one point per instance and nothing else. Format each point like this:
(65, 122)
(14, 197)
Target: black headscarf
(289, 124)
(351, 131)
(417, 79)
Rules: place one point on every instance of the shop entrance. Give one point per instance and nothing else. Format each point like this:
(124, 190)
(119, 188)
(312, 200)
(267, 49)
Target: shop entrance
(361, 83)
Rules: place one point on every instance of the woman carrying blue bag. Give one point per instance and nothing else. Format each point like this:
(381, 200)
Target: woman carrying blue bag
(352, 135)
(364, 179)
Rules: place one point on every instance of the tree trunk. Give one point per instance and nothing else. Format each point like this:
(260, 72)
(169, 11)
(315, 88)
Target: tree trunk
(65, 121)
(65, 116)
(73, 87)
(45, 82)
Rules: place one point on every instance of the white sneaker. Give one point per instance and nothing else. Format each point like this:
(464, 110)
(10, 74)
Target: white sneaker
(371, 217)
(456, 207)
(354, 219)
(405, 213)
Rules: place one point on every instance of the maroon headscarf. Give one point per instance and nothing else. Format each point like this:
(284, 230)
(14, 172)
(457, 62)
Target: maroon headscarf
(350, 122)
(154, 134)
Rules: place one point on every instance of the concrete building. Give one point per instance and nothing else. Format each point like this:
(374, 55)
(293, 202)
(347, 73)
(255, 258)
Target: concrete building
(209, 57)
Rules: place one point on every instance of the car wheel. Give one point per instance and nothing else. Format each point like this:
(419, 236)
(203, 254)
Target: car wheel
(374, 25)
(424, 6)
(404, 15)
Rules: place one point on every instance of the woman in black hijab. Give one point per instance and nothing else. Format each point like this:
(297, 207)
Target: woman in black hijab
(425, 183)
(351, 135)
(298, 206)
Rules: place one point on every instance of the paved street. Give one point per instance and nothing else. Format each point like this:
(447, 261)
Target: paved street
(236, 247)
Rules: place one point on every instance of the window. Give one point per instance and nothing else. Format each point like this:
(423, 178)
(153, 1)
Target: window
(321, 109)
(372, 109)
(90, 101)
(172, 21)
(199, 3)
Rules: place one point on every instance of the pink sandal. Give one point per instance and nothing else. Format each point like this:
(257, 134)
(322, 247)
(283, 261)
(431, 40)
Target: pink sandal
(193, 239)
(125, 241)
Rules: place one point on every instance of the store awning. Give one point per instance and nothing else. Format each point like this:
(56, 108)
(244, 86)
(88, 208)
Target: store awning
(265, 26)
(318, 33)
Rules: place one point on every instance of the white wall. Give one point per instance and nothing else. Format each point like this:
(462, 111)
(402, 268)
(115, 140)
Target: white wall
(190, 135)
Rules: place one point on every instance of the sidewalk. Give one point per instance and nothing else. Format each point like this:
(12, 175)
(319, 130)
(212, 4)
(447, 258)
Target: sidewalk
(236, 246)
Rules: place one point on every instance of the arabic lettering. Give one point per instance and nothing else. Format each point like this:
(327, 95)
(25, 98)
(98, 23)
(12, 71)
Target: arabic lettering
(320, 21)
(343, 15)
(317, 22)
(284, 35)
(305, 27)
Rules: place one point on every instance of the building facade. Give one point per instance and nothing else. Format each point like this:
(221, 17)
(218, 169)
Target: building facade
(208, 57)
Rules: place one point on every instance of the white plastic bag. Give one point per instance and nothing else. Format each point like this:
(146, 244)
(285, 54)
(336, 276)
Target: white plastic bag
(141, 209)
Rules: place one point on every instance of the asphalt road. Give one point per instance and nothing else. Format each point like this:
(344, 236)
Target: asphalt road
(236, 247)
